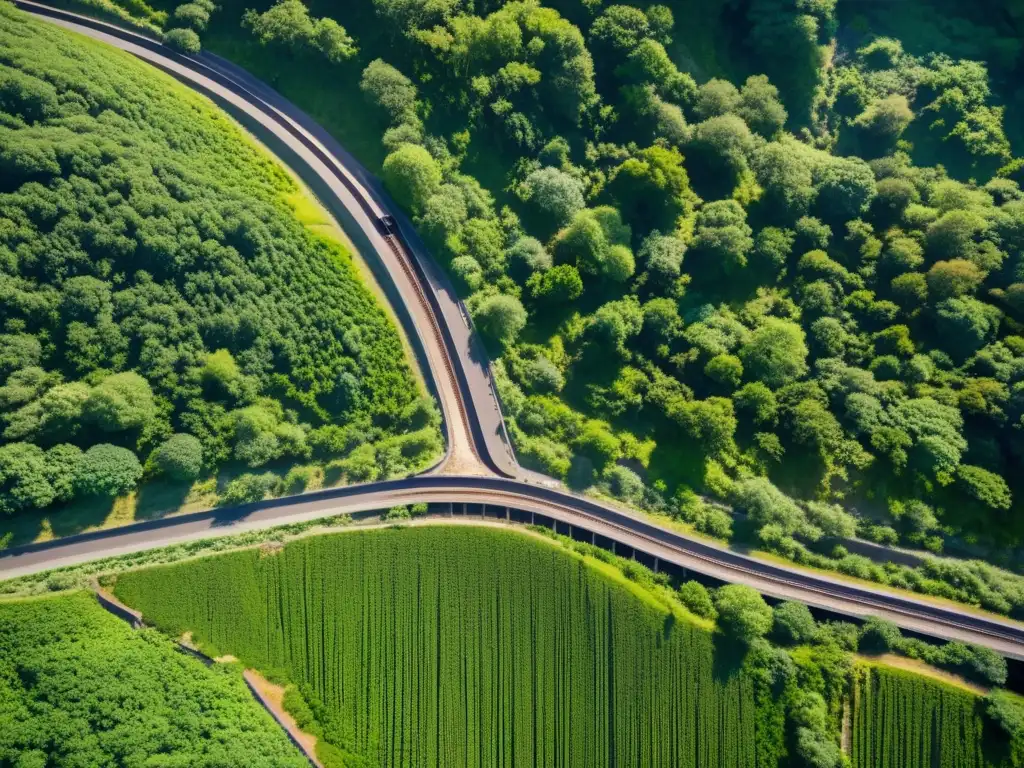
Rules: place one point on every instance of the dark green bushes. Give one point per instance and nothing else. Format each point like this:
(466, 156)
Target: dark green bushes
(158, 296)
(80, 687)
(867, 289)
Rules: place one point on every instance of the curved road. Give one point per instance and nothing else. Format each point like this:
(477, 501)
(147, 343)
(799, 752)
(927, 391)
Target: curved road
(479, 467)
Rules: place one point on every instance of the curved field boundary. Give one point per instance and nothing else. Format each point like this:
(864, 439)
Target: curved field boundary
(454, 375)
(815, 589)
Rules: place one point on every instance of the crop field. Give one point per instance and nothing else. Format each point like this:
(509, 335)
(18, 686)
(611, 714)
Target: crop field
(902, 720)
(466, 647)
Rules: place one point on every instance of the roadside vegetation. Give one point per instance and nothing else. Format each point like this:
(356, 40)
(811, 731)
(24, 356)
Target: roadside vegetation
(701, 278)
(796, 294)
(716, 677)
(170, 331)
(80, 687)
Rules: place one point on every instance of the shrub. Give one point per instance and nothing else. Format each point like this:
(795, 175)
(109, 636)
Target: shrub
(180, 457)
(878, 635)
(183, 40)
(500, 317)
(249, 488)
(556, 195)
(1007, 711)
(397, 513)
(411, 176)
(793, 624)
(697, 599)
(122, 401)
(624, 483)
(289, 25)
(302, 478)
(107, 470)
(192, 15)
(742, 612)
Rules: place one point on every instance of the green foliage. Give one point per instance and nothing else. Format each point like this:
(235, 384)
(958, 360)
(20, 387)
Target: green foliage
(528, 256)
(726, 370)
(500, 317)
(767, 506)
(64, 661)
(289, 25)
(120, 402)
(557, 285)
(652, 189)
(776, 353)
(718, 152)
(760, 108)
(194, 15)
(710, 422)
(180, 457)
(697, 599)
(852, 237)
(25, 478)
(389, 90)
(438, 614)
(107, 470)
(411, 175)
(723, 237)
(165, 287)
(793, 624)
(555, 195)
(742, 612)
(1006, 710)
(183, 39)
(789, 40)
(249, 488)
(917, 722)
(596, 240)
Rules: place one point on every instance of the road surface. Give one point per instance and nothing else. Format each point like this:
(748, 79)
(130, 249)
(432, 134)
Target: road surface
(819, 590)
(479, 467)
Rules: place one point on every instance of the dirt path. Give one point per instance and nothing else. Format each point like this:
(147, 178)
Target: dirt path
(272, 697)
(920, 668)
(846, 737)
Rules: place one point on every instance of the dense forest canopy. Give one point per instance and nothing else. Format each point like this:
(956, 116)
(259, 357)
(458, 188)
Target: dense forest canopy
(804, 270)
(163, 310)
(79, 687)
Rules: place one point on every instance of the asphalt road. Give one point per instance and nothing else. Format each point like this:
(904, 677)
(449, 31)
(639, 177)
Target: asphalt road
(819, 590)
(478, 455)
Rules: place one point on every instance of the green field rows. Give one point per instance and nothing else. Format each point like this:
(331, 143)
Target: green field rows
(466, 647)
(903, 720)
